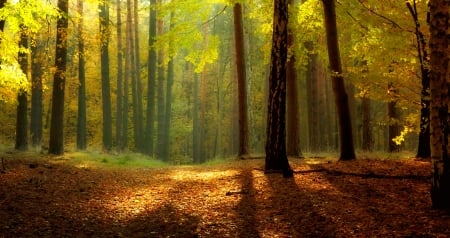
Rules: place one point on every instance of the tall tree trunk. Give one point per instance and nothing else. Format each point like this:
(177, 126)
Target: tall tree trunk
(81, 119)
(168, 107)
(36, 94)
(439, 58)
(423, 148)
(137, 70)
(241, 77)
(347, 151)
(293, 133)
(22, 107)
(196, 134)
(276, 157)
(160, 98)
(149, 130)
(56, 143)
(106, 88)
(119, 91)
(312, 98)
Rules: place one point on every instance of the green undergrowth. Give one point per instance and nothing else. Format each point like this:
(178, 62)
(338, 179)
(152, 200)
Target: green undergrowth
(103, 160)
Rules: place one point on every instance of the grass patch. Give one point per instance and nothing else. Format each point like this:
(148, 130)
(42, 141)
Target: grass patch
(102, 160)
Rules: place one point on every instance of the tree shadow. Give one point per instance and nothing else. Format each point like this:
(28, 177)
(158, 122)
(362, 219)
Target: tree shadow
(246, 208)
(295, 211)
(166, 221)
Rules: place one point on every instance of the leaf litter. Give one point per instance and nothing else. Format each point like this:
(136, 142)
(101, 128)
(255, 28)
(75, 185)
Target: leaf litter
(362, 198)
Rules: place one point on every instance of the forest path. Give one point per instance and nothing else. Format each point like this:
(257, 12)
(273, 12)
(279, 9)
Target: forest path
(363, 198)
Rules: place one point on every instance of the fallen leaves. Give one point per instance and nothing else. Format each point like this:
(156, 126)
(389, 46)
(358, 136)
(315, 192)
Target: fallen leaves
(363, 198)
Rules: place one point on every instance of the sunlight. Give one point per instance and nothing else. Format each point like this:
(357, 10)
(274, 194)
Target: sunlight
(181, 175)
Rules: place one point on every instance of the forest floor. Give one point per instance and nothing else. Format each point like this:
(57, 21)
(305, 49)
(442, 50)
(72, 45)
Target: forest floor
(50, 197)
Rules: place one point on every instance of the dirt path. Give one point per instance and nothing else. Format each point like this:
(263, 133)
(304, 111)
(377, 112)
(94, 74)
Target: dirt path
(365, 198)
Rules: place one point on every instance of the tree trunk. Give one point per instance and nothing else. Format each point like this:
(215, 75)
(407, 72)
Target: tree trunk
(241, 79)
(347, 151)
(119, 91)
(36, 94)
(137, 71)
(160, 98)
(312, 98)
(168, 107)
(197, 136)
(56, 143)
(423, 148)
(106, 94)
(149, 130)
(81, 120)
(22, 107)
(293, 133)
(439, 127)
(367, 140)
(276, 157)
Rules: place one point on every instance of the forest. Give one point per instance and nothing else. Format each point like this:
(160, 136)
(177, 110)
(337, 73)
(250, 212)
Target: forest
(228, 118)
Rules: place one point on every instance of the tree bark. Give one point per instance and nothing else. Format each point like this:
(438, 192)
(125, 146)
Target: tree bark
(119, 111)
(241, 79)
(81, 119)
(347, 151)
(423, 148)
(106, 88)
(36, 94)
(160, 98)
(22, 106)
(393, 118)
(293, 129)
(137, 69)
(149, 130)
(276, 157)
(439, 127)
(56, 143)
(168, 107)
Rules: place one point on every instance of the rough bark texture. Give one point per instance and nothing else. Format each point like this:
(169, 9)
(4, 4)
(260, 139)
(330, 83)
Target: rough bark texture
(81, 119)
(347, 151)
(56, 143)
(241, 79)
(439, 128)
(276, 157)
(149, 130)
(22, 106)
(106, 88)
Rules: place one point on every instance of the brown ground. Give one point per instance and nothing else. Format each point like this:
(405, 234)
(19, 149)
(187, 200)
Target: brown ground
(364, 198)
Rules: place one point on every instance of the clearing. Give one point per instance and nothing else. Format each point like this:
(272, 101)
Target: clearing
(54, 197)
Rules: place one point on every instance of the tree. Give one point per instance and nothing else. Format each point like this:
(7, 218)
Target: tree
(137, 77)
(81, 119)
(241, 78)
(56, 145)
(106, 88)
(149, 130)
(22, 106)
(160, 99)
(119, 91)
(347, 151)
(276, 157)
(439, 127)
(293, 136)
(36, 93)
(423, 147)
